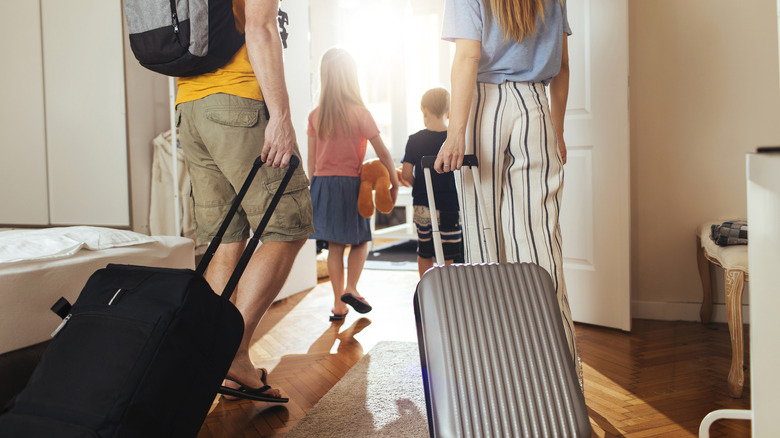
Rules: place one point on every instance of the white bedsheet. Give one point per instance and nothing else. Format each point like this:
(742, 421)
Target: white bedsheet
(29, 288)
(60, 242)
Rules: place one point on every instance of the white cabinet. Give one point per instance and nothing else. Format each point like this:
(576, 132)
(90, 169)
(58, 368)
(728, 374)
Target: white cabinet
(763, 174)
(63, 122)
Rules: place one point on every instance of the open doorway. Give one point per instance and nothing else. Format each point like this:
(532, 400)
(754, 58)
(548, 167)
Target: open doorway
(399, 54)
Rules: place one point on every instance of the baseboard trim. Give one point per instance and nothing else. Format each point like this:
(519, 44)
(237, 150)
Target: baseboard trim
(667, 311)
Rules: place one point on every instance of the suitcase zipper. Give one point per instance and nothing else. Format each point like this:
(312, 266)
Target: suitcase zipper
(117, 295)
(62, 325)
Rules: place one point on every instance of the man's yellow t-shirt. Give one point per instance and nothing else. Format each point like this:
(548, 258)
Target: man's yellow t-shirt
(236, 77)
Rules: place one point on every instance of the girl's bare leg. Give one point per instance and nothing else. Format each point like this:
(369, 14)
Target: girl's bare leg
(355, 261)
(336, 273)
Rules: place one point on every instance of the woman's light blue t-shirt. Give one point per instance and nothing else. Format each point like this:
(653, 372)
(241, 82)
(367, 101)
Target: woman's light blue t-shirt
(536, 59)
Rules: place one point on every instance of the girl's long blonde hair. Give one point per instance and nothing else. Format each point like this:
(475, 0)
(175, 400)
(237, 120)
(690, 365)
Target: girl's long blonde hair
(517, 18)
(339, 87)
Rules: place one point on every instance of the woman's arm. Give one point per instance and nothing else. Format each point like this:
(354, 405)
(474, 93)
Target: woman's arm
(559, 94)
(464, 78)
(384, 156)
(312, 161)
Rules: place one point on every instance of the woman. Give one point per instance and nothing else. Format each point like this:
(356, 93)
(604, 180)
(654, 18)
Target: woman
(506, 53)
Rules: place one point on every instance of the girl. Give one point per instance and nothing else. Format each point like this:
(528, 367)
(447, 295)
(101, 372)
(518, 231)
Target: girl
(339, 129)
(506, 53)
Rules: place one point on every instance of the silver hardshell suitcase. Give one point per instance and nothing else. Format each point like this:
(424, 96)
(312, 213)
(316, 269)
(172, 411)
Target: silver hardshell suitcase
(494, 355)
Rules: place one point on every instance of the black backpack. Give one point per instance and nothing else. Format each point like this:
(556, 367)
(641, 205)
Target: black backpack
(182, 37)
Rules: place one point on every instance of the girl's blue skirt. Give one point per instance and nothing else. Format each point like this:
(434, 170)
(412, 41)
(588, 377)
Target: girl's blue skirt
(336, 217)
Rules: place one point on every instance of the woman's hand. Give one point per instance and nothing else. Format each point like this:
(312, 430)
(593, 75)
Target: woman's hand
(562, 149)
(450, 155)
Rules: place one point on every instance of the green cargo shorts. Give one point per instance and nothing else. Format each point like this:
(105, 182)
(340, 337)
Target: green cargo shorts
(221, 136)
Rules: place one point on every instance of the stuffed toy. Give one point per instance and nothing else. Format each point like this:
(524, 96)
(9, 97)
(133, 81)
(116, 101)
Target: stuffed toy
(374, 178)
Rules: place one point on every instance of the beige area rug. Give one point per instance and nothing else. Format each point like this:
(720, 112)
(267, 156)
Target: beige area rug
(381, 396)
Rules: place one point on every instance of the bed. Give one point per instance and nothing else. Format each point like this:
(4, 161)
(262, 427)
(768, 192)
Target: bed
(37, 267)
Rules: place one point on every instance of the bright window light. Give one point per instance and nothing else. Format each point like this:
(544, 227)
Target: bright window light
(399, 53)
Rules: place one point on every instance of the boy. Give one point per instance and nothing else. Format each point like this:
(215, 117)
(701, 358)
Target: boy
(435, 106)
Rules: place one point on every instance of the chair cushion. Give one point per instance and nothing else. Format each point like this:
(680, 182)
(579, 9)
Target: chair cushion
(733, 257)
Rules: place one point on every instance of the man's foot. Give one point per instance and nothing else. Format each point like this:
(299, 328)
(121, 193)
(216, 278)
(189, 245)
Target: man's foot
(234, 383)
(242, 372)
(233, 389)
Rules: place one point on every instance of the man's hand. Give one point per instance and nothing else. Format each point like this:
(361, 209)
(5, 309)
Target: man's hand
(279, 141)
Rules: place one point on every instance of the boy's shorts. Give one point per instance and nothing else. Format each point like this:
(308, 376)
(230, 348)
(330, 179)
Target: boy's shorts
(221, 136)
(449, 227)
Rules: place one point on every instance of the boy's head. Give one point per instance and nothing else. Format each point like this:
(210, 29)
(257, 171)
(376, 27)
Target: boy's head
(436, 101)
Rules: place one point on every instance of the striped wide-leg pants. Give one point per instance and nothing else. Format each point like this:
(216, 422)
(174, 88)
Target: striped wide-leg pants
(511, 132)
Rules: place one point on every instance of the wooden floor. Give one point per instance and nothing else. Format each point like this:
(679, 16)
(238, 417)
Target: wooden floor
(660, 380)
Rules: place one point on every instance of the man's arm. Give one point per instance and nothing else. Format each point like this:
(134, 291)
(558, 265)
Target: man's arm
(265, 53)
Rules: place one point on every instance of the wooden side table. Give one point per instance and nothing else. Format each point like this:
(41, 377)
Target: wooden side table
(734, 261)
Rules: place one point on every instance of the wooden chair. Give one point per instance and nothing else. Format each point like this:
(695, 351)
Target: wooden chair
(734, 261)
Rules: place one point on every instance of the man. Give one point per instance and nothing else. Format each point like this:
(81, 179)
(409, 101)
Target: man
(227, 118)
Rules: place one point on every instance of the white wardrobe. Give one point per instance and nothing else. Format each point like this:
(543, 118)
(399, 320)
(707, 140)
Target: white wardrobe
(64, 144)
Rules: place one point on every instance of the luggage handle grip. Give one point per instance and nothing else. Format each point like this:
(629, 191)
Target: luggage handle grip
(252, 244)
(468, 161)
(472, 163)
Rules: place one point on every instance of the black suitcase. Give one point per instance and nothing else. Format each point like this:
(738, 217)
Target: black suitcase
(494, 355)
(141, 353)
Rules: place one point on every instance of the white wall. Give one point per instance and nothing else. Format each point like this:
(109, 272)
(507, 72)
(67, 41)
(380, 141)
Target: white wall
(297, 69)
(704, 91)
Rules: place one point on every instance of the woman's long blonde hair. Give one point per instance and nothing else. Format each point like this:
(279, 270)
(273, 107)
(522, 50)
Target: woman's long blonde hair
(517, 18)
(339, 87)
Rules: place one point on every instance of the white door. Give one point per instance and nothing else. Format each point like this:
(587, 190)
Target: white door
(595, 215)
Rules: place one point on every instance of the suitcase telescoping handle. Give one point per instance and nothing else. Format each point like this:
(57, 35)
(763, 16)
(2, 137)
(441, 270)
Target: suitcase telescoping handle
(470, 162)
(252, 244)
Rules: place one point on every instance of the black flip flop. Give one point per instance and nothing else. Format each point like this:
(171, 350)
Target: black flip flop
(337, 317)
(252, 394)
(358, 303)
